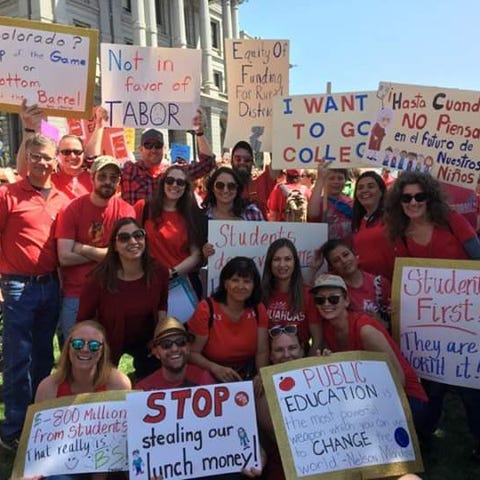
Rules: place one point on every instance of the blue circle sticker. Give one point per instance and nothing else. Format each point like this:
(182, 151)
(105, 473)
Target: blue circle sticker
(401, 437)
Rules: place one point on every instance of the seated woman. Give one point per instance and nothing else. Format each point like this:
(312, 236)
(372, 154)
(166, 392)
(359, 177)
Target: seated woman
(230, 327)
(127, 292)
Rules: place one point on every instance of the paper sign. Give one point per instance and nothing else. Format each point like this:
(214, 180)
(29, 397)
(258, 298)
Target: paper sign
(309, 128)
(179, 151)
(427, 129)
(192, 432)
(49, 130)
(36, 58)
(437, 322)
(149, 87)
(257, 71)
(252, 239)
(78, 434)
(342, 416)
(182, 299)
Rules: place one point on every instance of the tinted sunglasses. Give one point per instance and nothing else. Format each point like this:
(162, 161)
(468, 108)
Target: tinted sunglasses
(149, 146)
(179, 181)
(231, 186)
(124, 237)
(408, 197)
(168, 343)
(68, 151)
(288, 329)
(331, 299)
(79, 343)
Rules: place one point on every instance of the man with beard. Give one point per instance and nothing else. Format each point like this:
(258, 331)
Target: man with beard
(82, 233)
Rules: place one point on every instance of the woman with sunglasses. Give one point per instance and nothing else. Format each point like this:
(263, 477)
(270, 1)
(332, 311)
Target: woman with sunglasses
(127, 292)
(286, 298)
(230, 327)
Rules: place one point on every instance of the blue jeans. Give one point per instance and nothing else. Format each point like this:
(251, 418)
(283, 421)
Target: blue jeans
(30, 313)
(68, 315)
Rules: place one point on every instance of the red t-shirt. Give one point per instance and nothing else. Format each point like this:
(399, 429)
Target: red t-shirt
(339, 224)
(27, 223)
(64, 389)
(194, 376)
(365, 298)
(258, 190)
(72, 187)
(89, 224)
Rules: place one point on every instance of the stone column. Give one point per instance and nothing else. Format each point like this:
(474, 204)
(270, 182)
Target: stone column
(206, 44)
(138, 23)
(235, 27)
(152, 32)
(179, 32)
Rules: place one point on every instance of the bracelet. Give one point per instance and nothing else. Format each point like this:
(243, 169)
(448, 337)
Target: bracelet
(199, 134)
(29, 130)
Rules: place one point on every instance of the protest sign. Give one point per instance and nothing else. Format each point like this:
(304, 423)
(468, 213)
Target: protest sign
(309, 128)
(182, 299)
(344, 416)
(252, 239)
(427, 129)
(36, 60)
(149, 87)
(257, 71)
(77, 434)
(192, 432)
(436, 320)
(179, 151)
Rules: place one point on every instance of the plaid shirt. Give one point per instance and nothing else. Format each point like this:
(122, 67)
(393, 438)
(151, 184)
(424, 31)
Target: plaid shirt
(138, 181)
(251, 213)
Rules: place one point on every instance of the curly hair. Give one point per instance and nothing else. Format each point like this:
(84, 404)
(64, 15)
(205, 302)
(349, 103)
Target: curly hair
(437, 208)
(359, 210)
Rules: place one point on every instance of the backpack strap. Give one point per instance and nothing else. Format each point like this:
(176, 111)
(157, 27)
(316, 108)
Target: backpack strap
(210, 312)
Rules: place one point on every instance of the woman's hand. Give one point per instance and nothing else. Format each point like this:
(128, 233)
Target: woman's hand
(100, 116)
(225, 374)
(323, 353)
(208, 250)
(31, 116)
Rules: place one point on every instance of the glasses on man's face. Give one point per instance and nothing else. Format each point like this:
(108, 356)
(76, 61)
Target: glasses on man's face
(79, 343)
(331, 299)
(71, 151)
(418, 197)
(242, 158)
(124, 237)
(179, 181)
(36, 157)
(230, 186)
(112, 178)
(278, 330)
(156, 145)
(169, 342)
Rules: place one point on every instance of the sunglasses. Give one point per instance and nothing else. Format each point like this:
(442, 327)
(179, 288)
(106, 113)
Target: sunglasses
(79, 343)
(124, 237)
(231, 186)
(288, 329)
(331, 299)
(67, 152)
(149, 146)
(408, 197)
(168, 343)
(38, 156)
(179, 181)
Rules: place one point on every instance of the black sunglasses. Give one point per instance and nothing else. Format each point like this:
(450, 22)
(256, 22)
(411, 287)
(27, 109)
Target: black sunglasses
(332, 299)
(179, 181)
(149, 146)
(231, 186)
(419, 197)
(68, 151)
(168, 343)
(79, 343)
(124, 237)
(278, 330)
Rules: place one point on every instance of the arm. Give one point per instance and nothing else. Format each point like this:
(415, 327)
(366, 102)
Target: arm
(118, 381)
(262, 355)
(94, 146)
(317, 338)
(187, 265)
(96, 254)
(89, 300)
(47, 390)
(66, 255)
(315, 204)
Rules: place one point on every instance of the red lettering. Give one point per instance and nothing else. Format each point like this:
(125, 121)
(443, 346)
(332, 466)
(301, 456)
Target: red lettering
(151, 403)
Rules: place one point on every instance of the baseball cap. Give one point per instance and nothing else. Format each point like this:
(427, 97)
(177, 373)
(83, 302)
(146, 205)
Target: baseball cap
(170, 326)
(151, 135)
(104, 161)
(327, 280)
(293, 172)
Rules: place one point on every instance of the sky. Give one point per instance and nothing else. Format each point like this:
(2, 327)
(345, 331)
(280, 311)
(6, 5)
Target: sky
(354, 44)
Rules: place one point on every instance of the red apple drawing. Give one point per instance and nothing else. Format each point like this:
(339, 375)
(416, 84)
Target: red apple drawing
(241, 399)
(286, 384)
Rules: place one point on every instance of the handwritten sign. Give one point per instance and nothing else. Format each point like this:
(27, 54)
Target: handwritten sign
(35, 60)
(192, 432)
(438, 320)
(343, 415)
(179, 151)
(427, 129)
(77, 434)
(147, 87)
(309, 128)
(252, 239)
(257, 71)
(182, 299)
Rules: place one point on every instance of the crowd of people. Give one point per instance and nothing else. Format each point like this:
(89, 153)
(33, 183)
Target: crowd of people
(89, 248)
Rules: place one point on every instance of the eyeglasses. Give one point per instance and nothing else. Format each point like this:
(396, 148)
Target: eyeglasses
(124, 237)
(419, 197)
(156, 145)
(79, 343)
(39, 156)
(179, 181)
(168, 343)
(331, 299)
(67, 152)
(103, 177)
(231, 186)
(278, 330)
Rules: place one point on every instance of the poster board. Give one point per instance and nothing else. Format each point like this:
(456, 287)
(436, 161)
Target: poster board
(37, 58)
(344, 416)
(180, 151)
(192, 432)
(150, 87)
(257, 71)
(334, 127)
(182, 299)
(76, 434)
(252, 239)
(428, 129)
(436, 320)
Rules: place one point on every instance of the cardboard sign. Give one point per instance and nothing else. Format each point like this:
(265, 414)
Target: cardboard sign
(427, 129)
(149, 87)
(309, 128)
(252, 239)
(179, 151)
(257, 71)
(182, 299)
(78, 434)
(437, 321)
(192, 432)
(36, 58)
(343, 416)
